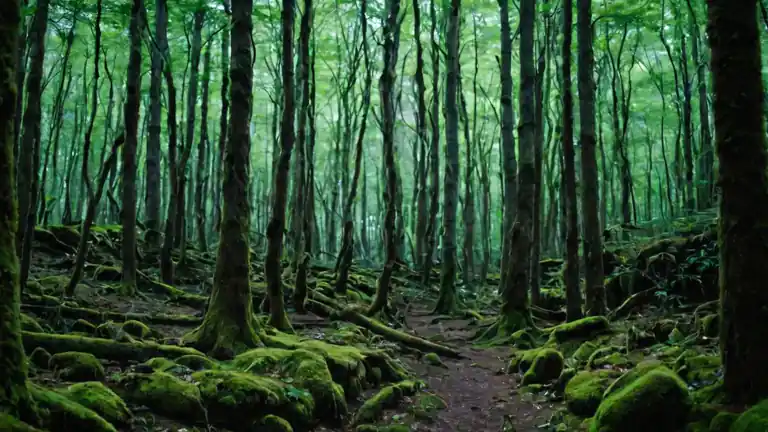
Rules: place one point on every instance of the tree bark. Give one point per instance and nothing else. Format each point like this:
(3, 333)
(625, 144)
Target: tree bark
(202, 150)
(159, 50)
(434, 152)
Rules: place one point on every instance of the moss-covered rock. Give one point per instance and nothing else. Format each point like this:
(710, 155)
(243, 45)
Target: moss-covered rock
(137, 329)
(523, 339)
(164, 394)
(76, 366)
(700, 370)
(40, 358)
(196, 362)
(585, 328)
(584, 352)
(60, 414)
(657, 401)
(632, 375)
(235, 399)
(709, 325)
(722, 422)
(434, 360)
(521, 361)
(105, 273)
(754, 419)
(546, 367)
(103, 401)
(305, 369)
(273, 423)
(83, 326)
(613, 360)
(161, 364)
(426, 406)
(584, 391)
(388, 397)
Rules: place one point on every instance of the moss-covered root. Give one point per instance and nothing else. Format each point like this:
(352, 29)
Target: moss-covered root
(164, 394)
(415, 342)
(546, 367)
(585, 328)
(754, 419)
(501, 331)
(104, 348)
(12, 424)
(60, 414)
(97, 397)
(388, 397)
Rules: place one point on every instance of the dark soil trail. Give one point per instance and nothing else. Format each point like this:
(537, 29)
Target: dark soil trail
(479, 395)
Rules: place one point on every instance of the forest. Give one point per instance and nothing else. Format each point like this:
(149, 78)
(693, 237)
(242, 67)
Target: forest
(383, 215)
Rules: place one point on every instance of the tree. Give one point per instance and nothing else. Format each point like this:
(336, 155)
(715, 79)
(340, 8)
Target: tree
(446, 303)
(229, 325)
(572, 289)
(276, 226)
(740, 143)
(593, 248)
(159, 50)
(15, 399)
(386, 96)
(129, 151)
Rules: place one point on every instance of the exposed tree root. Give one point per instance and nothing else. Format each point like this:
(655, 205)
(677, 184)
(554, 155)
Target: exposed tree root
(634, 301)
(501, 332)
(103, 348)
(388, 397)
(97, 317)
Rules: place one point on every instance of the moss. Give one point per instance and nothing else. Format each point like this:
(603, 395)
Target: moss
(546, 367)
(137, 329)
(632, 375)
(584, 352)
(434, 360)
(104, 273)
(699, 370)
(12, 424)
(670, 353)
(384, 428)
(426, 406)
(83, 326)
(585, 328)
(30, 324)
(709, 326)
(754, 419)
(305, 369)
(612, 360)
(196, 362)
(234, 398)
(713, 393)
(77, 366)
(565, 377)
(584, 391)
(40, 358)
(601, 353)
(103, 401)
(722, 422)
(523, 339)
(388, 397)
(657, 401)
(54, 284)
(60, 414)
(164, 394)
(161, 364)
(521, 361)
(273, 423)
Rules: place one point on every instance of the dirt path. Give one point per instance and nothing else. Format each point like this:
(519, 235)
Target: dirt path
(479, 395)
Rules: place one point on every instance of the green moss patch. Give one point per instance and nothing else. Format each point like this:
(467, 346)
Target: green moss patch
(754, 419)
(60, 414)
(273, 423)
(388, 397)
(164, 394)
(585, 328)
(103, 401)
(584, 391)
(76, 366)
(546, 367)
(12, 424)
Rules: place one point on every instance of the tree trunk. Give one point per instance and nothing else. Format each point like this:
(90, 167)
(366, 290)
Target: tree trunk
(434, 152)
(590, 202)
(446, 303)
(272, 268)
(421, 133)
(572, 288)
(740, 142)
(541, 74)
(202, 151)
(229, 325)
(131, 114)
(14, 396)
(159, 51)
(690, 198)
(29, 150)
(386, 95)
(223, 125)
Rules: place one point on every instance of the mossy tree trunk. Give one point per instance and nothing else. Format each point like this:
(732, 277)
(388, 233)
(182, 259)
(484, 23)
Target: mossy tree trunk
(434, 152)
(421, 129)
(743, 224)
(29, 151)
(386, 95)
(446, 303)
(346, 252)
(131, 114)
(593, 247)
(223, 125)
(572, 291)
(272, 267)
(14, 397)
(229, 325)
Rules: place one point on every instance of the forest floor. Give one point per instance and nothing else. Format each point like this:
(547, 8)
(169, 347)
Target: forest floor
(387, 371)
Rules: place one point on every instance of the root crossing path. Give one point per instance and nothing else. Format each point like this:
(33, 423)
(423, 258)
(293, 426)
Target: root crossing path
(479, 395)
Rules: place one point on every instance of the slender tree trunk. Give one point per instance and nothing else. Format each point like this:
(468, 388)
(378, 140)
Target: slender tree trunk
(690, 197)
(29, 151)
(421, 131)
(153, 193)
(541, 74)
(223, 127)
(434, 152)
(386, 95)
(229, 325)
(202, 151)
(272, 268)
(740, 142)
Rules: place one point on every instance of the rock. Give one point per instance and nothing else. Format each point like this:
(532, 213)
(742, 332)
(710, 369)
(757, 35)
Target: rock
(273, 423)
(633, 374)
(235, 399)
(584, 391)
(657, 401)
(103, 401)
(521, 361)
(77, 366)
(585, 328)
(546, 367)
(388, 397)
(523, 339)
(754, 419)
(164, 394)
(434, 360)
(426, 406)
(600, 357)
(60, 414)
(137, 329)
